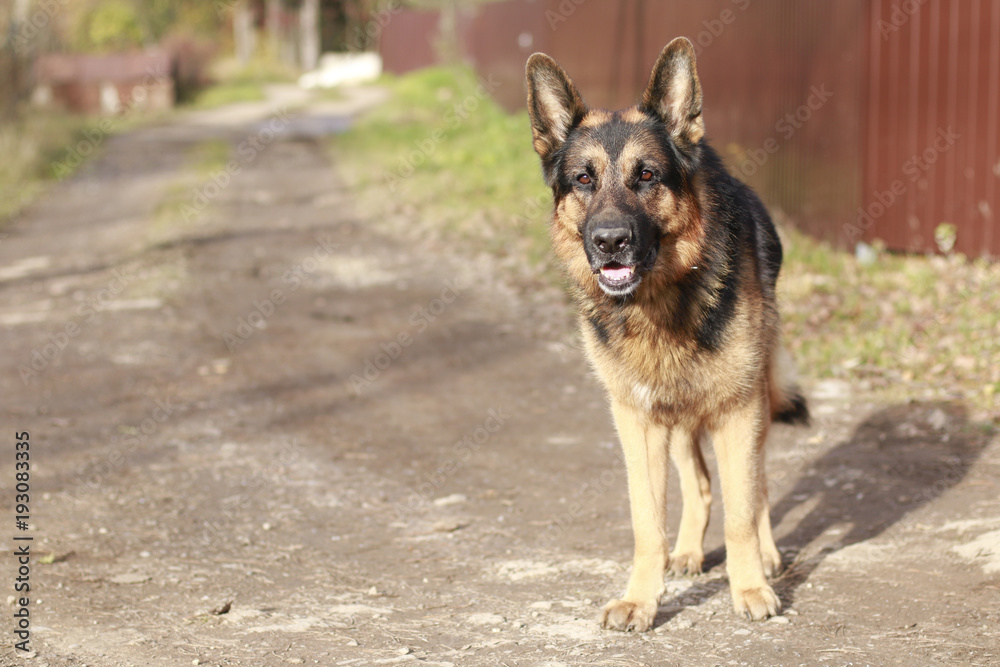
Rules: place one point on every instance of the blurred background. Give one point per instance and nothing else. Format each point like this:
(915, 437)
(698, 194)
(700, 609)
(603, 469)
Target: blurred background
(869, 127)
(901, 85)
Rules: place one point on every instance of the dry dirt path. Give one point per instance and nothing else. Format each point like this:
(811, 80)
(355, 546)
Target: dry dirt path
(210, 486)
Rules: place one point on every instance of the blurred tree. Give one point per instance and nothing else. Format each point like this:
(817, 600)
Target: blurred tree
(272, 20)
(244, 35)
(162, 17)
(111, 25)
(309, 27)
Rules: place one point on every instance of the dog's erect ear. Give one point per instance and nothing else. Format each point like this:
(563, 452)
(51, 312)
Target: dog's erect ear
(674, 94)
(554, 105)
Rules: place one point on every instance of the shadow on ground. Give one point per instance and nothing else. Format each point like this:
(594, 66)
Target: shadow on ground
(898, 460)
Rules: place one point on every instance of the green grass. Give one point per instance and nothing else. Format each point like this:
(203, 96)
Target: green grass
(40, 147)
(443, 148)
(905, 326)
(242, 83)
(229, 93)
(902, 327)
(211, 156)
(179, 207)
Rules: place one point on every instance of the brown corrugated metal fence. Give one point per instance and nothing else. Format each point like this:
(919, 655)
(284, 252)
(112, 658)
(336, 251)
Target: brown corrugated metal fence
(857, 120)
(932, 120)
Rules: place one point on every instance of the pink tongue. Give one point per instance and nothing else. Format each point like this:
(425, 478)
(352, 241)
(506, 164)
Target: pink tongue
(619, 273)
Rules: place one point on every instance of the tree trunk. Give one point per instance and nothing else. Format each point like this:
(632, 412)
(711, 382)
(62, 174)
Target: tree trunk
(447, 44)
(272, 18)
(243, 32)
(309, 27)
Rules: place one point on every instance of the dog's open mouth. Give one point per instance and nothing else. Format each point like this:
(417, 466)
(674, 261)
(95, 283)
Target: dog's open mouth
(617, 279)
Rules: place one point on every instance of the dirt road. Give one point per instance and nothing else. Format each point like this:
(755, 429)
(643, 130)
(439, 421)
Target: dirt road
(265, 432)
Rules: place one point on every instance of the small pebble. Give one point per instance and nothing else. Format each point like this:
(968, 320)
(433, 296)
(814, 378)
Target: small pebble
(453, 499)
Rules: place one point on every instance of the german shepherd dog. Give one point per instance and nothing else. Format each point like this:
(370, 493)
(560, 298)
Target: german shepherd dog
(673, 263)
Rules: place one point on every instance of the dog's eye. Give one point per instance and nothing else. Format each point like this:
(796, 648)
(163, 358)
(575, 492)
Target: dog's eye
(583, 179)
(646, 175)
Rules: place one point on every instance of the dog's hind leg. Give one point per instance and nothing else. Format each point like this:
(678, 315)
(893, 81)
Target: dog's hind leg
(696, 491)
(645, 446)
(769, 555)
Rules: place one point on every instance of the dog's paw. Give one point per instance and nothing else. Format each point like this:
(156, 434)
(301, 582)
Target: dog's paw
(688, 563)
(756, 604)
(771, 560)
(628, 616)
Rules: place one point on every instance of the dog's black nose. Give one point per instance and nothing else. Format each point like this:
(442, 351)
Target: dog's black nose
(610, 240)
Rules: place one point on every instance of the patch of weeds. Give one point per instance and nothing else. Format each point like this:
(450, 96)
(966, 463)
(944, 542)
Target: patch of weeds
(182, 204)
(42, 146)
(442, 157)
(37, 149)
(242, 83)
(228, 93)
(906, 326)
(210, 156)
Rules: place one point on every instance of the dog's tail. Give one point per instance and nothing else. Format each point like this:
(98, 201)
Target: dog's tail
(788, 405)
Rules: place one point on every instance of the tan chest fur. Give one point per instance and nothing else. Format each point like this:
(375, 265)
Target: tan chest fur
(666, 375)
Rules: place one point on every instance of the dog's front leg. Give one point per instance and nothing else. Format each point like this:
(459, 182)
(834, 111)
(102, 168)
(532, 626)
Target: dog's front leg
(739, 447)
(645, 447)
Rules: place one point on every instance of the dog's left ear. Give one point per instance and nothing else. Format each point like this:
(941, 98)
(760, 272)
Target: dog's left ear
(674, 94)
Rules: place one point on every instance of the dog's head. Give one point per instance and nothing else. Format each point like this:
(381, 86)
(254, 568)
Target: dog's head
(622, 180)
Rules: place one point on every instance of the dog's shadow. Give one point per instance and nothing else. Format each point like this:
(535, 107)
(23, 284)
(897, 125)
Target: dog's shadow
(896, 461)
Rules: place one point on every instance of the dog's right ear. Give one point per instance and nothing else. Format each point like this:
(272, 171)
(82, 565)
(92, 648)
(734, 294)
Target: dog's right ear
(554, 105)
